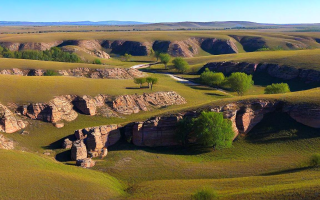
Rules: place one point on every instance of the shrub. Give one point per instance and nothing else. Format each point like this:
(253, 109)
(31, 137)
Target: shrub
(240, 82)
(184, 128)
(151, 81)
(204, 194)
(211, 78)
(213, 130)
(97, 61)
(180, 64)
(315, 160)
(277, 88)
(51, 73)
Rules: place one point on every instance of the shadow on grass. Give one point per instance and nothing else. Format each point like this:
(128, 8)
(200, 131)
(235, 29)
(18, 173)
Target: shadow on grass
(137, 88)
(279, 127)
(64, 156)
(215, 94)
(58, 144)
(287, 171)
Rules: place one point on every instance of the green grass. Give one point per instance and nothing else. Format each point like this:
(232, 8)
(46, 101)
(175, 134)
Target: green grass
(30, 176)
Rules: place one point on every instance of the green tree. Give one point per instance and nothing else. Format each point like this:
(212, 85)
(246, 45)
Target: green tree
(277, 88)
(157, 55)
(127, 57)
(213, 130)
(139, 81)
(184, 129)
(180, 64)
(97, 61)
(1, 50)
(240, 82)
(165, 59)
(51, 73)
(151, 81)
(212, 78)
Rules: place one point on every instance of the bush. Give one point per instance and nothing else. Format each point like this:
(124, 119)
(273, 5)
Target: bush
(213, 130)
(240, 82)
(51, 73)
(315, 160)
(139, 81)
(211, 78)
(180, 64)
(97, 61)
(204, 194)
(277, 88)
(165, 59)
(151, 81)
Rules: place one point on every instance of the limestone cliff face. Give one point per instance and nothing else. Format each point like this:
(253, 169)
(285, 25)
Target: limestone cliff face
(9, 122)
(40, 46)
(129, 104)
(103, 73)
(216, 46)
(274, 70)
(306, 114)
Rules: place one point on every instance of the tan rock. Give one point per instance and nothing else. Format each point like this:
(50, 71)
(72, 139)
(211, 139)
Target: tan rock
(78, 150)
(67, 144)
(306, 114)
(86, 163)
(5, 143)
(8, 121)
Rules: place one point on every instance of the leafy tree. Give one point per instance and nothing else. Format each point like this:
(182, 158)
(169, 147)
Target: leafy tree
(157, 55)
(212, 78)
(184, 129)
(1, 50)
(180, 64)
(277, 88)
(139, 81)
(240, 82)
(165, 59)
(127, 57)
(97, 61)
(213, 130)
(151, 81)
(51, 73)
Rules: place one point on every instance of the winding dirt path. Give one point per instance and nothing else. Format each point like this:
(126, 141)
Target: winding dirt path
(177, 78)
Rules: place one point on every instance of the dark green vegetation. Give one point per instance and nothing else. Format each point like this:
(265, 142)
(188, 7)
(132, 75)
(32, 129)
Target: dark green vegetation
(213, 130)
(315, 160)
(277, 88)
(212, 78)
(54, 54)
(240, 82)
(205, 194)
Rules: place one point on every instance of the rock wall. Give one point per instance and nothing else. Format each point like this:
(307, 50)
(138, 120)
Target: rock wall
(131, 47)
(103, 73)
(216, 46)
(274, 70)
(9, 123)
(40, 46)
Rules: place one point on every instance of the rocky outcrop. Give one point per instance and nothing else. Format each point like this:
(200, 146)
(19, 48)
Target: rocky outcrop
(58, 109)
(97, 139)
(217, 46)
(155, 132)
(5, 143)
(251, 43)
(103, 73)
(129, 104)
(306, 114)
(184, 48)
(131, 47)
(9, 123)
(78, 150)
(86, 163)
(39, 46)
(273, 70)
(67, 144)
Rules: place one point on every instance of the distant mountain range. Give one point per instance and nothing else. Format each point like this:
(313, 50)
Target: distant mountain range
(80, 23)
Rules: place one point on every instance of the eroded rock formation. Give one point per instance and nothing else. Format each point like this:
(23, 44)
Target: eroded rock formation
(9, 123)
(273, 70)
(5, 143)
(78, 150)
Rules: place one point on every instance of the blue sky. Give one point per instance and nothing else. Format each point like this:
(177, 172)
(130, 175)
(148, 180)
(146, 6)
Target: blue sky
(267, 11)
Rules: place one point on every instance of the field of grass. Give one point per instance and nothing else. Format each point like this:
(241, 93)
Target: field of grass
(30, 176)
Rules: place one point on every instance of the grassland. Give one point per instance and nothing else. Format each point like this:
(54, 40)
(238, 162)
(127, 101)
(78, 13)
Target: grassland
(30, 176)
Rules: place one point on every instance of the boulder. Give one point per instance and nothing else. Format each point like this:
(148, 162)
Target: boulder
(86, 163)
(67, 144)
(9, 122)
(86, 105)
(78, 150)
(5, 143)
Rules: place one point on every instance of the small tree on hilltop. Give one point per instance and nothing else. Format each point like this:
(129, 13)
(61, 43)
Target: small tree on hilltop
(212, 78)
(240, 82)
(139, 81)
(180, 64)
(277, 88)
(151, 81)
(165, 59)
(213, 130)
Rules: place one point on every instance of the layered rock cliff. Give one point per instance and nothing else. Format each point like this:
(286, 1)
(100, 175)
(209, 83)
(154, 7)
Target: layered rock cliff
(274, 70)
(9, 122)
(103, 73)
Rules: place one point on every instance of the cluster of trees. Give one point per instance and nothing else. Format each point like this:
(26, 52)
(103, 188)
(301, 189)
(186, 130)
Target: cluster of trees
(53, 54)
(210, 129)
(150, 80)
(126, 57)
(238, 82)
(179, 64)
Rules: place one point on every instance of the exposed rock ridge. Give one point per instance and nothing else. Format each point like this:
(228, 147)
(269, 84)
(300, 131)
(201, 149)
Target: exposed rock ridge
(40, 46)
(9, 122)
(274, 70)
(5, 143)
(103, 73)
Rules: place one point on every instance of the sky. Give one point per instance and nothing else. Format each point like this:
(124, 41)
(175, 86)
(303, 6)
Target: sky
(266, 11)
